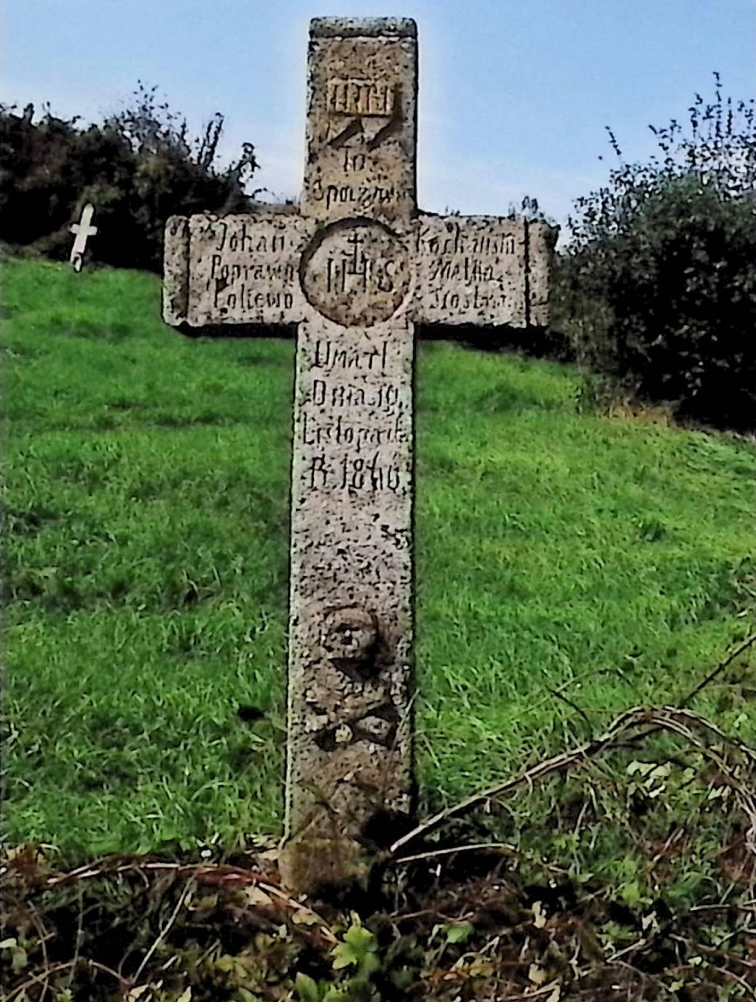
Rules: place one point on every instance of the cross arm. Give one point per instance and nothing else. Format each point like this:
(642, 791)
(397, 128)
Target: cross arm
(482, 270)
(235, 269)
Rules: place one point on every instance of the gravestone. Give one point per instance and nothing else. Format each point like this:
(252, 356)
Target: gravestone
(82, 231)
(356, 269)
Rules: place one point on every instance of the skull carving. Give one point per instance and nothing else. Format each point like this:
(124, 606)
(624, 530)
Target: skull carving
(350, 641)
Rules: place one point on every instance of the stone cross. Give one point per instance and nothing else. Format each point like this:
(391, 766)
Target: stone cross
(82, 231)
(355, 268)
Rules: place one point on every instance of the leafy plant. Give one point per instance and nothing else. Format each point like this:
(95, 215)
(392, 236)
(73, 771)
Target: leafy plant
(660, 278)
(354, 961)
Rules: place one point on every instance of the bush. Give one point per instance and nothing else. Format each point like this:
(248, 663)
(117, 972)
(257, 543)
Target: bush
(660, 278)
(136, 168)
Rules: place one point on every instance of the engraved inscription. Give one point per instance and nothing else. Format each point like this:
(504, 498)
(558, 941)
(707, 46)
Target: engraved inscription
(353, 474)
(245, 268)
(250, 270)
(471, 270)
(354, 418)
(362, 101)
(356, 272)
(353, 163)
(360, 97)
(332, 356)
(358, 196)
(236, 284)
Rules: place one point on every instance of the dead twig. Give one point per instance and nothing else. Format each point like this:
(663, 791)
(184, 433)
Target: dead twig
(204, 873)
(79, 936)
(186, 891)
(449, 851)
(747, 907)
(43, 936)
(43, 979)
(748, 642)
(670, 718)
(215, 875)
(572, 705)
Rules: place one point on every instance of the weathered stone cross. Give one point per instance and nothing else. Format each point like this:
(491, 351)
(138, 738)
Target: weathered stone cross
(356, 268)
(82, 231)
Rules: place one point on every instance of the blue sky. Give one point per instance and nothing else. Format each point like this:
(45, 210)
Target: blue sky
(514, 94)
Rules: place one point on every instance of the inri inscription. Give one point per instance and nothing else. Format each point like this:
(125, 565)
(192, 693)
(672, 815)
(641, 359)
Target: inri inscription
(355, 268)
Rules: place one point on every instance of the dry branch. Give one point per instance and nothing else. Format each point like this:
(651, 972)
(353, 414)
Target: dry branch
(669, 718)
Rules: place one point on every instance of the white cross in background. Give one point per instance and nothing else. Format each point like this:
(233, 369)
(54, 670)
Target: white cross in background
(82, 229)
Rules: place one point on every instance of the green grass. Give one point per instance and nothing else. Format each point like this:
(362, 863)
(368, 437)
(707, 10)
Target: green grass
(146, 521)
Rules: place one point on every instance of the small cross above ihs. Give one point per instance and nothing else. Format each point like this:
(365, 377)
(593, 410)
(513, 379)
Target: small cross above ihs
(356, 268)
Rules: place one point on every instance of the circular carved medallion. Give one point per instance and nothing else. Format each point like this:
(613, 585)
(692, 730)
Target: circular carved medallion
(355, 272)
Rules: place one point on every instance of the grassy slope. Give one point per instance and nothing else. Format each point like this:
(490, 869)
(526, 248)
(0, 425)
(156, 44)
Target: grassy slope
(146, 550)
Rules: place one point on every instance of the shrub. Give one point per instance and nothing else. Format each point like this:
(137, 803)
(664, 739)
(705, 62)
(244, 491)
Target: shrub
(660, 277)
(137, 168)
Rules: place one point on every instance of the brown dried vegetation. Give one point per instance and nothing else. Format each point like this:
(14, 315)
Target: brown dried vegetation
(440, 920)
